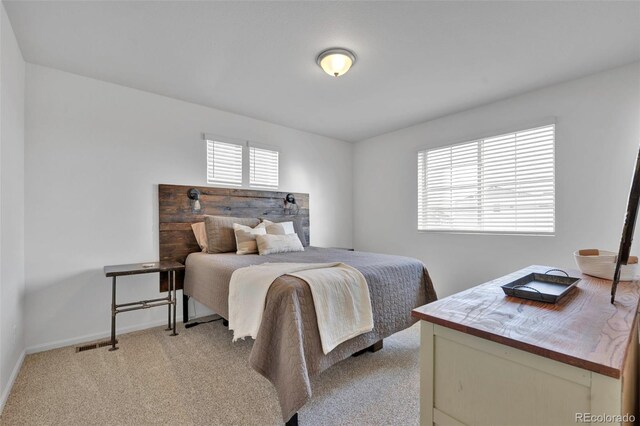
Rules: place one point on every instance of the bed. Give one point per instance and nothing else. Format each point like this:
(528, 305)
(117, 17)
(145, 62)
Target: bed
(287, 349)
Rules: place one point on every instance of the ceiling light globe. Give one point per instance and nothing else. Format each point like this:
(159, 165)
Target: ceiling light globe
(336, 61)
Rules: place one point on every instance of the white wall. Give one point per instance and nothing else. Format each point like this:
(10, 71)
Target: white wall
(597, 140)
(12, 255)
(95, 153)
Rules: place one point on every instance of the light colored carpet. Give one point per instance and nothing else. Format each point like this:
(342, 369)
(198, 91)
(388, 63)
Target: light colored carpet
(201, 377)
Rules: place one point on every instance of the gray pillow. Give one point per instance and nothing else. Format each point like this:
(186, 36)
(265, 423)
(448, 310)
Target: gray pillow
(297, 225)
(220, 234)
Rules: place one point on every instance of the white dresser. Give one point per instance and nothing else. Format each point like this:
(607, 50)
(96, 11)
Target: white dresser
(490, 359)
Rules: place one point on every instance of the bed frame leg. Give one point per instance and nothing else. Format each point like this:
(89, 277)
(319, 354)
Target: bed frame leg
(185, 308)
(373, 348)
(376, 346)
(293, 421)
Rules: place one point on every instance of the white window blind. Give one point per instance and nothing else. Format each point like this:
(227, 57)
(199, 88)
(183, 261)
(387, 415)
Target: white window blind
(224, 163)
(263, 167)
(501, 184)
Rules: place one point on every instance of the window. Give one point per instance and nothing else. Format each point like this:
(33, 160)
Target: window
(240, 163)
(224, 163)
(501, 184)
(263, 167)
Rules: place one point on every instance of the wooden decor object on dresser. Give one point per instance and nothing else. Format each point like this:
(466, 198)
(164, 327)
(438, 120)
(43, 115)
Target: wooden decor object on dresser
(176, 215)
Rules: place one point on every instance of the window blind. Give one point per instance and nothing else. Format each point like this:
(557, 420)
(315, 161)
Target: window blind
(224, 163)
(263, 167)
(500, 184)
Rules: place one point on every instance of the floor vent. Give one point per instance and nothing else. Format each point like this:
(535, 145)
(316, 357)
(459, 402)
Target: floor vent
(94, 345)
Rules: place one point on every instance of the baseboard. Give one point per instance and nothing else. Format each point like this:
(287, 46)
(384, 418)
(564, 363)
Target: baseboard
(91, 337)
(12, 380)
(98, 336)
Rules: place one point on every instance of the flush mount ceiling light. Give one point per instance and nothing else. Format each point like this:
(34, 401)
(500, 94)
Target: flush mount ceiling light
(336, 61)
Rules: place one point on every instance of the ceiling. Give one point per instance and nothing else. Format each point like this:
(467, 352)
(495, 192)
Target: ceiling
(416, 60)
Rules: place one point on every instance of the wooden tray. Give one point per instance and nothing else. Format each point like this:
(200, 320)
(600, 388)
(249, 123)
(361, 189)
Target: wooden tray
(541, 287)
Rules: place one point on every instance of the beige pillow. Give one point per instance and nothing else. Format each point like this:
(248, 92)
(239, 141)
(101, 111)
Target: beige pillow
(200, 231)
(220, 235)
(246, 237)
(280, 228)
(297, 225)
(271, 244)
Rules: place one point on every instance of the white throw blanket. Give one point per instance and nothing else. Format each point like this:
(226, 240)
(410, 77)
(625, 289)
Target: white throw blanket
(340, 296)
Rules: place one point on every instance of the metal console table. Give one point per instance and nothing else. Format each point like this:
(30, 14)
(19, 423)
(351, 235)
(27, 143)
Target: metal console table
(170, 267)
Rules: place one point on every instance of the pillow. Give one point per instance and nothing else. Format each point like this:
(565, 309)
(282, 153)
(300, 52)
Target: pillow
(246, 237)
(220, 235)
(200, 231)
(282, 228)
(297, 225)
(271, 244)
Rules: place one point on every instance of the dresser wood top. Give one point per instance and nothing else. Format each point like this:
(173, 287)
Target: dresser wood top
(584, 329)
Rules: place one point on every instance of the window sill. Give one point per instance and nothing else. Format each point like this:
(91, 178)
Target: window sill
(506, 233)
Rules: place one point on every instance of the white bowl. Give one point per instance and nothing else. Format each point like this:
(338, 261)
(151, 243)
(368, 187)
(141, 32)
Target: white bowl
(603, 266)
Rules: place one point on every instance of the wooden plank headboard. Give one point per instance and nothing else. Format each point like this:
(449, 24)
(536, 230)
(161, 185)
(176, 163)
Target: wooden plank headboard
(176, 215)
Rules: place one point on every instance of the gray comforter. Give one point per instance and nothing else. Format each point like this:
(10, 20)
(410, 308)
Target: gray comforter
(287, 350)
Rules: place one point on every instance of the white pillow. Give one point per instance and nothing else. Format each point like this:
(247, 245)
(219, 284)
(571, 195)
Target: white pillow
(246, 237)
(279, 228)
(200, 231)
(271, 244)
